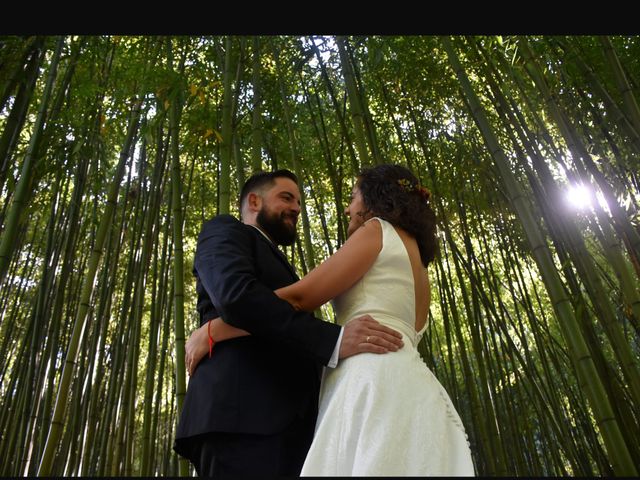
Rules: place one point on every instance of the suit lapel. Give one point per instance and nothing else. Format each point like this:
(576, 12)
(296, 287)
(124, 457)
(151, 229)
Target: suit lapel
(284, 259)
(277, 251)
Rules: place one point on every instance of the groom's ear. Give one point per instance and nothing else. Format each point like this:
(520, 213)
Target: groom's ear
(254, 202)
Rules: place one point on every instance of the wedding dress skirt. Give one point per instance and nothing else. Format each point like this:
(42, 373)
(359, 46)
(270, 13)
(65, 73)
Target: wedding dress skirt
(386, 414)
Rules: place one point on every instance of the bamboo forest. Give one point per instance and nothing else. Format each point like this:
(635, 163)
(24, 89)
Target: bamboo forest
(115, 149)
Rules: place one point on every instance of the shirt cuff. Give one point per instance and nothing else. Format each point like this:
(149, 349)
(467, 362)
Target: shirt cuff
(333, 361)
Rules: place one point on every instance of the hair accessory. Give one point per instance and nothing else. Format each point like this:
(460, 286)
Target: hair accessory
(408, 187)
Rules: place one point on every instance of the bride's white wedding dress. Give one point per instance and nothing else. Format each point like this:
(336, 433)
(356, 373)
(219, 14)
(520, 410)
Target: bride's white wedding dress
(386, 414)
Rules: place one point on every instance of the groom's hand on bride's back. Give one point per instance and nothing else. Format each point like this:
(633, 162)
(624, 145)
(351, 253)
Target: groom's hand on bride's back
(364, 334)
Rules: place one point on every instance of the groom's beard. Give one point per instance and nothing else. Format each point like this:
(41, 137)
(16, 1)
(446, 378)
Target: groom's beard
(276, 227)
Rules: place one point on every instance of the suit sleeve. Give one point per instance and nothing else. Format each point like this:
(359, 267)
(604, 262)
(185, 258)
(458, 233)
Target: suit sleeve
(225, 264)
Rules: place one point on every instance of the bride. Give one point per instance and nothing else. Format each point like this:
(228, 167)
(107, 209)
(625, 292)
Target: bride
(382, 414)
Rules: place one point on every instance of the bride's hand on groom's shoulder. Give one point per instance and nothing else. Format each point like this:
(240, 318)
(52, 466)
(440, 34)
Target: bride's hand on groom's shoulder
(364, 334)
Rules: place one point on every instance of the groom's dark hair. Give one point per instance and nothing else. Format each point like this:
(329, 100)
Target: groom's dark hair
(260, 180)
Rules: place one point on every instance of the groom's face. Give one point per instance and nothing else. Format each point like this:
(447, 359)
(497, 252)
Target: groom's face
(278, 215)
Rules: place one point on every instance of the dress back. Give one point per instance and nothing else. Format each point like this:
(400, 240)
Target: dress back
(386, 291)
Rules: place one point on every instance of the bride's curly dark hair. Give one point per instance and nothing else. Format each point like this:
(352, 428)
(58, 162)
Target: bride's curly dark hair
(393, 193)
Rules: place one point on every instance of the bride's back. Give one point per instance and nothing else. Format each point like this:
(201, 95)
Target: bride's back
(387, 291)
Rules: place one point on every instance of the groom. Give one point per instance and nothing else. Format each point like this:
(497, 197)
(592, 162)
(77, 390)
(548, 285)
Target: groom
(251, 408)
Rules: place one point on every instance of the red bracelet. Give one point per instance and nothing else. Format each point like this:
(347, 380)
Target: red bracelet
(211, 342)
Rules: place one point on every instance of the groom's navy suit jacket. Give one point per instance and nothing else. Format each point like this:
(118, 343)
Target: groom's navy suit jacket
(258, 383)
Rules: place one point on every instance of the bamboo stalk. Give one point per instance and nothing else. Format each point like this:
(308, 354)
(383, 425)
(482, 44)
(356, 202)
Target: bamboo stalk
(295, 160)
(176, 206)
(630, 103)
(355, 105)
(256, 120)
(616, 447)
(24, 186)
(55, 430)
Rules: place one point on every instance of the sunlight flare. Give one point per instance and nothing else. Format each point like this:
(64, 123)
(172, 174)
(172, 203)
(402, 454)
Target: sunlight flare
(580, 196)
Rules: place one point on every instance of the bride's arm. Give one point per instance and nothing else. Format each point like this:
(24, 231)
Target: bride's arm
(339, 272)
(332, 277)
(197, 345)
